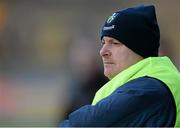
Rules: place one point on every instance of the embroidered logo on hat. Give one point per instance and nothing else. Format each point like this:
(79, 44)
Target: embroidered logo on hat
(109, 28)
(111, 18)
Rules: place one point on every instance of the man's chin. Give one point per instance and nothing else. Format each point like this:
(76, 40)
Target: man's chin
(108, 75)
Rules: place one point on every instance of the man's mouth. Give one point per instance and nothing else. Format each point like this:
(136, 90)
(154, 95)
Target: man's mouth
(108, 62)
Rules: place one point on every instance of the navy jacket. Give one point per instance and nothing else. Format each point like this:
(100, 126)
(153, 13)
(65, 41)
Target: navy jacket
(141, 102)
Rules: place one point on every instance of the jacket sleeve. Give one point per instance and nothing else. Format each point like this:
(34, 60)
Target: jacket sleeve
(126, 102)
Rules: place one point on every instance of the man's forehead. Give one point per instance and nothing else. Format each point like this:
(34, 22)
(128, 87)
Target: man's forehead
(110, 39)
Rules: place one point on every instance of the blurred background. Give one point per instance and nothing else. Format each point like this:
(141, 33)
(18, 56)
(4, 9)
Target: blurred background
(49, 54)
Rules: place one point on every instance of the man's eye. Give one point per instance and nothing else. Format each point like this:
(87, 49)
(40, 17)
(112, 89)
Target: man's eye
(116, 43)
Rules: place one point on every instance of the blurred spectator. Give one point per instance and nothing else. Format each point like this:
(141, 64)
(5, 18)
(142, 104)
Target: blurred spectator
(87, 76)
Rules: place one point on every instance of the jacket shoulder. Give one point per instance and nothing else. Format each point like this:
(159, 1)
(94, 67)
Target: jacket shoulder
(145, 83)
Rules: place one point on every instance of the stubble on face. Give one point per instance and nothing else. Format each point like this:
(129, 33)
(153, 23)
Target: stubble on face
(116, 57)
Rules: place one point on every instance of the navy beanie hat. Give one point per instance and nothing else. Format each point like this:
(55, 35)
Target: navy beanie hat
(137, 28)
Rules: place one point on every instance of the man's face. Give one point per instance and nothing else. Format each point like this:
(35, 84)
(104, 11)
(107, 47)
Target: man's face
(116, 56)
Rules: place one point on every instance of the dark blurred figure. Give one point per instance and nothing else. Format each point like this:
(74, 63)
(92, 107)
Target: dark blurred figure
(86, 74)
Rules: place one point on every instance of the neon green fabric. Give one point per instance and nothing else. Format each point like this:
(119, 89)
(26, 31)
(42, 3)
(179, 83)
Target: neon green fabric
(157, 67)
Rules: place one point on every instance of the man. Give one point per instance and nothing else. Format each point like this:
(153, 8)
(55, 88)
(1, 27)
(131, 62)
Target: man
(144, 89)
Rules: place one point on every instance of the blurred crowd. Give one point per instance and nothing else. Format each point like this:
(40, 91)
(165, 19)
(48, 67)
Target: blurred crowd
(49, 55)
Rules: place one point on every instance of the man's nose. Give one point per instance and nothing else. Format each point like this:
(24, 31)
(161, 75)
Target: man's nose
(105, 51)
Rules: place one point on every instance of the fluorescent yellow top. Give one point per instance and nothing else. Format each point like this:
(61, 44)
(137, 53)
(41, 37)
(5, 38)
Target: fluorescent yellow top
(157, 67)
